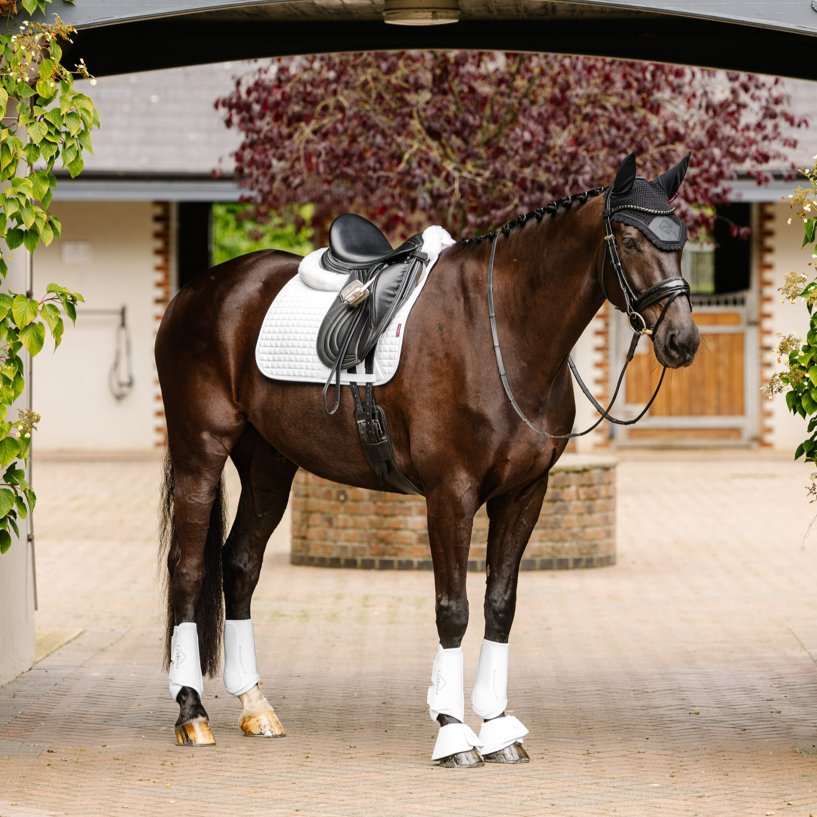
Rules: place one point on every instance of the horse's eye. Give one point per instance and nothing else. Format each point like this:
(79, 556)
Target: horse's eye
(629, 243)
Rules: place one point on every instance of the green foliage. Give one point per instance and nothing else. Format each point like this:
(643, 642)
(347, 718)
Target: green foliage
(235, 234)
(44, 120)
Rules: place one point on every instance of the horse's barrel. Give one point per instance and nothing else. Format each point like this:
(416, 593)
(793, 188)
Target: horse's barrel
(340, 526)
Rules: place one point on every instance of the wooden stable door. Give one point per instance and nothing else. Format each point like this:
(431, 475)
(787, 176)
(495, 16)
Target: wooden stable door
(707, 403)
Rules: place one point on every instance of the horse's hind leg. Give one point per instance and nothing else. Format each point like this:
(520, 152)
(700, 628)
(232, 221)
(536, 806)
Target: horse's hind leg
(195, 515)
(450, 517)
(266, 478)
(512, 518)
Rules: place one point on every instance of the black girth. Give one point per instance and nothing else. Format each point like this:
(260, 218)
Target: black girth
(669, 288)
(375, 437)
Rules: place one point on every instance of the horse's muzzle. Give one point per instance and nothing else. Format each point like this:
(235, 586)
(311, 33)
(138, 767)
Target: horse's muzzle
(677, 347)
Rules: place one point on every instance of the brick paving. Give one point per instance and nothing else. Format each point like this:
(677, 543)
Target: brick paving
(680, 681)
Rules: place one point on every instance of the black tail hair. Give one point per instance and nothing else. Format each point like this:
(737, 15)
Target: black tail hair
(210, 609)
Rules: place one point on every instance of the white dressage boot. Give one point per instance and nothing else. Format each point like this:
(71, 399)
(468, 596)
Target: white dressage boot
(241, 679)
(185, 663)
(501, 737)
(185, 671)
(445, 697)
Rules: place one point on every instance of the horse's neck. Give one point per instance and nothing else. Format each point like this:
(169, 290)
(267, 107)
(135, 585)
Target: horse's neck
(549, 291)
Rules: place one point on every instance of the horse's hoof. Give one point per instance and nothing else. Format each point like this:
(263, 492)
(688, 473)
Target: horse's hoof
(462, 760)
(262, 725)
(196, 733)
(515, 753)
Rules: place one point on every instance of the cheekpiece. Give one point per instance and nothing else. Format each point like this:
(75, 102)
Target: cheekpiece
(648, 208)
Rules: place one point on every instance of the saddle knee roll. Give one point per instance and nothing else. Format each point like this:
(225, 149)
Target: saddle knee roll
(489, 698)
(445, 695)
(240, 668)
(185, 662)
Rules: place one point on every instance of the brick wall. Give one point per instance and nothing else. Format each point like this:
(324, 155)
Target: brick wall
(340, 526)
(162, 284)
(768, 295)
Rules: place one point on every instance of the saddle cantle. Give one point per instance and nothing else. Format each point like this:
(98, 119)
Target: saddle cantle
(380, 280)
(356, 241)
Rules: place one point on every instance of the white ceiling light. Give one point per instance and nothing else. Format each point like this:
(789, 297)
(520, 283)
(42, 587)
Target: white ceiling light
(421, 12)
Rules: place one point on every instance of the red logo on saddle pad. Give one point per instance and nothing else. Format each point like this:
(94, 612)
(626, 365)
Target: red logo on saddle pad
(398, 330)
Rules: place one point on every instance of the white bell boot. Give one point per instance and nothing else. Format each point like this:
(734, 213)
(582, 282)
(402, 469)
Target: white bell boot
(445, 697)
(185, 663)
(489, 699)
(240, 668)
(500, 733)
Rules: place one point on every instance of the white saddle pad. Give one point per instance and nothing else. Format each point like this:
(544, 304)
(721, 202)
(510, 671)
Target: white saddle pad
(287, 343)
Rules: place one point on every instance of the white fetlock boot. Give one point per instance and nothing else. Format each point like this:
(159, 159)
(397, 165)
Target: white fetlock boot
(185, 671)
(445, 697)
(489, 699)
(241, 679)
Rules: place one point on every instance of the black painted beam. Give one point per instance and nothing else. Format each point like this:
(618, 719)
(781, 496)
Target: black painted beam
(178, 41)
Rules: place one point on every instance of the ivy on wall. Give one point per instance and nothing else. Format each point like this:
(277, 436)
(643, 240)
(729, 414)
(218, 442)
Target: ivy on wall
(44, 120)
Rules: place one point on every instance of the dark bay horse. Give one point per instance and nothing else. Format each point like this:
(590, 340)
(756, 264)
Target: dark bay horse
(455, 435)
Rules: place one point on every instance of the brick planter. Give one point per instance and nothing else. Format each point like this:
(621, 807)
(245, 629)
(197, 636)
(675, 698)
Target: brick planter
(340, 526)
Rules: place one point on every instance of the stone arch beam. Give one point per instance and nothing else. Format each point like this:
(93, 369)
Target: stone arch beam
(786, 15)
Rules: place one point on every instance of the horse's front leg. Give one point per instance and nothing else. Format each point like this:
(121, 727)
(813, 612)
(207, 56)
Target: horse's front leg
(512, 518)
(450, 517)
(266, 478)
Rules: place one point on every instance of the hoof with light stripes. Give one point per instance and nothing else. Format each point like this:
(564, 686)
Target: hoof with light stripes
(195, 734)
(262, 725)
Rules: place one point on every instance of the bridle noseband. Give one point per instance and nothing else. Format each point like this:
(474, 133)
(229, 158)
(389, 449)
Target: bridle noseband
(634, 304)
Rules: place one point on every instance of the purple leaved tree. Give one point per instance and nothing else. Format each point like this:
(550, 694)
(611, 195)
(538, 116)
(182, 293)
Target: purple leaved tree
(471, 139)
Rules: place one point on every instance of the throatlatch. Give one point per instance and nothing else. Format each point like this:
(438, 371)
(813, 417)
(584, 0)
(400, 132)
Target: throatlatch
(446, 697)
(489, 699)
(240, 668)
(185, 663)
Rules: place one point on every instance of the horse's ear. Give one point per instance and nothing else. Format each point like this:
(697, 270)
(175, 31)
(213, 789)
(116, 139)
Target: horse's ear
(671, 180)
(625, 177)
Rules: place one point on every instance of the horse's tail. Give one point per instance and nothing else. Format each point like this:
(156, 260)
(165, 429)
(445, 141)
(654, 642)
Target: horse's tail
(210, 609)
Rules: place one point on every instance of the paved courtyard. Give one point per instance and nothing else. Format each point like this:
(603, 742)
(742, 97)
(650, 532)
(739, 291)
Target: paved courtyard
(680, 681)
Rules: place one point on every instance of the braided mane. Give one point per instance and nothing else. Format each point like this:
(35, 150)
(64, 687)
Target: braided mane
(538, 214)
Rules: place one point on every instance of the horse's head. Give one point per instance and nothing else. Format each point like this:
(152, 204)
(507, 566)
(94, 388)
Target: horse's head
(649, 239)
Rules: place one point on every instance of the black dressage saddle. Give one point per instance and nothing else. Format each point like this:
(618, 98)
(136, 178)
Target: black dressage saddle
(379, 281)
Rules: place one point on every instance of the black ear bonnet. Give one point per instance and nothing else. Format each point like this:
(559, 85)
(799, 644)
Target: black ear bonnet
(646, 204)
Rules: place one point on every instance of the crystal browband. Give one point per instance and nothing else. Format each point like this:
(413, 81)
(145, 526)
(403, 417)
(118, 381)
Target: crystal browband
(642, 210)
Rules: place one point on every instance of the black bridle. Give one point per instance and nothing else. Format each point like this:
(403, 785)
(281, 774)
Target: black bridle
(634, 304)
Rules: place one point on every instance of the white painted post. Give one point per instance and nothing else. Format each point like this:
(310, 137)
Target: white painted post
(17, 588)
